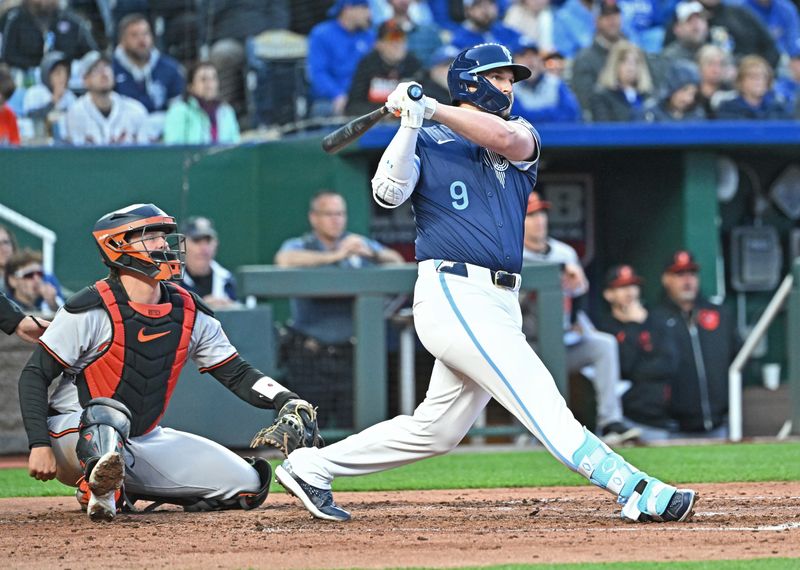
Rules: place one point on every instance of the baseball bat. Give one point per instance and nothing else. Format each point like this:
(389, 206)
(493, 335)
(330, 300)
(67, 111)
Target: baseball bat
(344, 135)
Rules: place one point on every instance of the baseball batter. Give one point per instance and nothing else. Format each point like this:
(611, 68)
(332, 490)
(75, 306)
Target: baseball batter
(468, 178)
(117, 349)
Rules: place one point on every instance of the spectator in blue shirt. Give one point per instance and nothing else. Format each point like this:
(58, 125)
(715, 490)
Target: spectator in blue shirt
(788, 87)
(641, 23)
(543, 97)
(781, 19)
(335, 47)
(481, 26)
(317, 349)
(414, 18)
(755, 98)
(574, 25)
(142, 72)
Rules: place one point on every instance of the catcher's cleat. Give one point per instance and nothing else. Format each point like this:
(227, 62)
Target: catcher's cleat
(82, 494)
(107, 474)
(319, 502)
(102, 508)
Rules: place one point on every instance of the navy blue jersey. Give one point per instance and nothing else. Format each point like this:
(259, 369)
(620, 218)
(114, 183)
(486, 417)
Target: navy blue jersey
(469, 203)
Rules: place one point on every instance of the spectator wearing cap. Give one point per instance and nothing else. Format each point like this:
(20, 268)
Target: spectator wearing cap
(9, 131)
(200, 116)
(381, 70)
(335, 47)
(434, 78)
(101, 116)
(679, 99)
(624, 87)
(481, 25)
(705, 340)
(543, 97)
(48, 102)
(36, 27)
(647, 354)
(590, 60)
(416, 20)
(690, 29)
(781, 19)
(533, 19)
(203, 275)
(736, 30)
(585, 345)
(754, 98)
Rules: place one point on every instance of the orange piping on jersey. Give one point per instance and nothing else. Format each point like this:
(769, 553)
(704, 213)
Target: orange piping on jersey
(61, 434)
(218, 364)
(189, 314)
(104, 375)
(53, 354)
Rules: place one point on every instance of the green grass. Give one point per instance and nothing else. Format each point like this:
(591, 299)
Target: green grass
(682, 465)
(755, 564)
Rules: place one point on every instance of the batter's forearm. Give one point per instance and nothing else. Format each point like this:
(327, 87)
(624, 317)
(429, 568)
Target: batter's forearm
(398, 169)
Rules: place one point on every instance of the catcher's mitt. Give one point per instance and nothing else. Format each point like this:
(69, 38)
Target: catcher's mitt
(295, 426)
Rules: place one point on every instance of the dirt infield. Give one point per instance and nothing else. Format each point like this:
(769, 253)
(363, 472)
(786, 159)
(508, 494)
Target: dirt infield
(430, 528)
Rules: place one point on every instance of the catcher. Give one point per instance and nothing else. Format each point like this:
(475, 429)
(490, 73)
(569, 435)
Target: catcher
(116, 349)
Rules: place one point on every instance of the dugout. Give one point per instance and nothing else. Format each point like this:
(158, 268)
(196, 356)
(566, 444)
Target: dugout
(627, 192)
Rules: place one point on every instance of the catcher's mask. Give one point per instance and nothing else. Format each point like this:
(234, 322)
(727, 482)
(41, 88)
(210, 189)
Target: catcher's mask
(118, 234)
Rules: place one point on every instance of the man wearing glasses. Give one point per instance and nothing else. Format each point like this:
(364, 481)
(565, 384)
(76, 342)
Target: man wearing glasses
(29, 287)
(317, 347)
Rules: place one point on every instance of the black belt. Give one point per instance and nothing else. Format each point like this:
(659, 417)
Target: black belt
(499, 278)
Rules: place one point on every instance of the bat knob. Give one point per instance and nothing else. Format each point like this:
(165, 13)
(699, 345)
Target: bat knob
(414, 92)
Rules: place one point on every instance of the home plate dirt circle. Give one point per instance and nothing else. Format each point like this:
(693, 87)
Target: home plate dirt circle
(464, 527)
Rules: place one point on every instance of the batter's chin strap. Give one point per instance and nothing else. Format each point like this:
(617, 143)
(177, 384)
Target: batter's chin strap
(244, 501)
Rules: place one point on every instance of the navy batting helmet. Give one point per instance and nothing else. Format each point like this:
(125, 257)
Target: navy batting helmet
(468, 86)
(118, 233)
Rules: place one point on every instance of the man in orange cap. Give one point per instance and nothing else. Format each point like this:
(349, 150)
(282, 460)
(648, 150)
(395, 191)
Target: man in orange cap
(706, 341)
(647, 354)
(586, 346)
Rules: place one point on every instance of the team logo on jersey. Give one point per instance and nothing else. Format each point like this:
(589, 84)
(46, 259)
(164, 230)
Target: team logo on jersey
(498, 163)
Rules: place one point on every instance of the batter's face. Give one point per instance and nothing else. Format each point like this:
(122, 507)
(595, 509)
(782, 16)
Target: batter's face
(328, 217)
(503, 79)
(681, 287)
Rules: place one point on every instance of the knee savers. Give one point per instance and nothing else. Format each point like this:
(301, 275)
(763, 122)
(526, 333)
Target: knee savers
(104, 427)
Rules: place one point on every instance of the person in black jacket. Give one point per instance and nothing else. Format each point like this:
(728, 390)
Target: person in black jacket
(706, 341)
(37, 27)
(647, 354)
(381, 70)
(12, 321)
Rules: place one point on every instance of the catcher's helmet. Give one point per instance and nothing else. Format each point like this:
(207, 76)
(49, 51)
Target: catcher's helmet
(118, 231)
(468, 86)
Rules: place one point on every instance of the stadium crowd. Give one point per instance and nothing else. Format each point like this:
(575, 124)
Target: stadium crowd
(202, 71)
